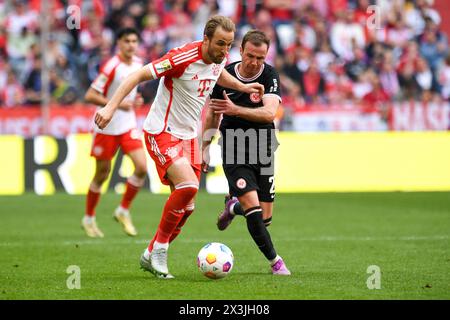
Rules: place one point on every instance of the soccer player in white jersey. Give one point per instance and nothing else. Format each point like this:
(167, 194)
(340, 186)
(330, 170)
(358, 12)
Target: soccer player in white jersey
(188, 75)
(121, 132)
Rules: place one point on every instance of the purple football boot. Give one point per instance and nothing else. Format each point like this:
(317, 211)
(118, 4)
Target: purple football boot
(226, 216)
(279, 268)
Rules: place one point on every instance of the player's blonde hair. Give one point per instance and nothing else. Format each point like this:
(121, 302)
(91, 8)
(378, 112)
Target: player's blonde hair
(218, 21)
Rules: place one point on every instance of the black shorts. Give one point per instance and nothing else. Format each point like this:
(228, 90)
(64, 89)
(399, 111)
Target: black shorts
(248, 161)
(244, 178)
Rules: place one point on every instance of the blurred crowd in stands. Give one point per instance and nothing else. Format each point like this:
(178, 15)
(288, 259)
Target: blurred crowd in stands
(328, 52)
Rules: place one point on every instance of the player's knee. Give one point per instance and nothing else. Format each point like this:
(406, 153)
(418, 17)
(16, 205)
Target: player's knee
(136, 180)
(140, 173)
(140, 170)
(254, 211)
(187, 190)
(254, 219)
(102, 174)
(249, 200)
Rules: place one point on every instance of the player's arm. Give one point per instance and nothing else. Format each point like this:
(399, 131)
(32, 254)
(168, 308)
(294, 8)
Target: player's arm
(210, 126)
(264, 114)
(226, 80)
(212, 120)
(95, 97)
(104, 115)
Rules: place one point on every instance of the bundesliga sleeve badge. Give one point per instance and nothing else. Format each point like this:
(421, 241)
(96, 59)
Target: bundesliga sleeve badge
(163, 66)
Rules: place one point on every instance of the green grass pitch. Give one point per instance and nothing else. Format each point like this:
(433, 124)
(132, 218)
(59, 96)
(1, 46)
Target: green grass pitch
(327, 240)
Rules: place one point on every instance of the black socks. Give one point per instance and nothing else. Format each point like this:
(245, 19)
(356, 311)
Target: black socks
(259, 233)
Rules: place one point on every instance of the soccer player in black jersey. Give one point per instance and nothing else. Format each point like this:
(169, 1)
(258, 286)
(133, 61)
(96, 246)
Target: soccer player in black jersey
(248, 143)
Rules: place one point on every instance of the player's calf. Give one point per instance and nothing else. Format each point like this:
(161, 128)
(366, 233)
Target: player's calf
(173, 213)
(174, 209)
(187, 213)
(134, 184)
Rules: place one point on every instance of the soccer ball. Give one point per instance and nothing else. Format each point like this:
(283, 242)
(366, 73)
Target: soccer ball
(215, 260)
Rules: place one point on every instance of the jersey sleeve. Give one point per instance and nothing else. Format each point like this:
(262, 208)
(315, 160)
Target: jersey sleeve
(105, 76)
(272, 85)
(99, 84)
(166, 66)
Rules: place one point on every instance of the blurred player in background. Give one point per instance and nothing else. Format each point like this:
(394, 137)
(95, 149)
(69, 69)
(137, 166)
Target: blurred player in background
(188, 75)
(247, 116)
(121, 132)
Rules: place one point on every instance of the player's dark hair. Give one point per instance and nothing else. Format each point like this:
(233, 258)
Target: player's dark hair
(127, 31)
(218, 21)
(255, 37)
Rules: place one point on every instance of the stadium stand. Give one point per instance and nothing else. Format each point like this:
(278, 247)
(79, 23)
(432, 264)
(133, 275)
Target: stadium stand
(344, 65)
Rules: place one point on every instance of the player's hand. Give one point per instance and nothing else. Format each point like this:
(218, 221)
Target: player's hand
(204, 167)
(205, 159)
(138, 101)
(103, 116)
(255, 88)
(206, 144)
(225, 106)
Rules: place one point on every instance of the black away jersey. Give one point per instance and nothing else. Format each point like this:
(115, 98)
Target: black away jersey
(267, 76)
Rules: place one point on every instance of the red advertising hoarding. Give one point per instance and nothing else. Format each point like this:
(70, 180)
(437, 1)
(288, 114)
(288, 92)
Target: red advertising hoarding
(406, 116)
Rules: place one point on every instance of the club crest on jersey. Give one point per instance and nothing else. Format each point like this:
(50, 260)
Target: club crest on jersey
(216, 69)
(163, 66)
(255, 97)
(172, 152)
(241, 183)
(98, 150)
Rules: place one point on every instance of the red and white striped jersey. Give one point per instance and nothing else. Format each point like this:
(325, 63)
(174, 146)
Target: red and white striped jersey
(186, 82)
(111, 75)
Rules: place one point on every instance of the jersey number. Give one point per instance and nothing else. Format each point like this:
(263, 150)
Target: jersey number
(272, 186)
(203, 86)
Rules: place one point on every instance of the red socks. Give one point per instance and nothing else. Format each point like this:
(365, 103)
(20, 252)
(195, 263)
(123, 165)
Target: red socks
(133, 185)
(174, 209)
(187, 212)
(175, 213)
(92, 198)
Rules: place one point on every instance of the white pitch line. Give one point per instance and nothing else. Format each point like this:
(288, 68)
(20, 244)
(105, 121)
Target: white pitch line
(235, 240)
